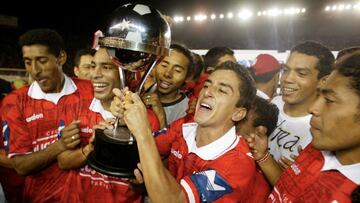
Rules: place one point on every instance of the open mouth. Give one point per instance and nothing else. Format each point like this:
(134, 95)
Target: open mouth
(288, 90)
(164, 84)
(99, 86)
(205, 107)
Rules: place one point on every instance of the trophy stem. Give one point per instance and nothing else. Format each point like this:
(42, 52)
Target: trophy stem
(147, 73)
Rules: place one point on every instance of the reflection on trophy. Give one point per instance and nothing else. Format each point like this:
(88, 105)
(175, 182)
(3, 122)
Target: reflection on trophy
(137, 37)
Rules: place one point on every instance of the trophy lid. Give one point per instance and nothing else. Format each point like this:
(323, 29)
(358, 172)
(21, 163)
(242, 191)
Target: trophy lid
(139, 28)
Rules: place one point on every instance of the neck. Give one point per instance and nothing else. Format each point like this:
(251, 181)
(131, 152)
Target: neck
(268, 89)
(299, 109)
(106, 104)
(349, 156)
(207, 135)
(171, 97)
(61, 84)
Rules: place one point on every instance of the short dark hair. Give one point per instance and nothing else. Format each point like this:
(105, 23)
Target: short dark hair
(247, 85)
(265, 114)
(346, 51)
(312, 48)
(83, 52)
(199, 65)
(46, 37)
(187, 53)
(212, 57)
(349, 66)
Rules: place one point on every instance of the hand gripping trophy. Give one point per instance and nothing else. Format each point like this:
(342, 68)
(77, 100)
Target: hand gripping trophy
(137, 37)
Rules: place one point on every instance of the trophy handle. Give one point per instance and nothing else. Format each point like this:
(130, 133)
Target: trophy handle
(147, 73)
(122, 78)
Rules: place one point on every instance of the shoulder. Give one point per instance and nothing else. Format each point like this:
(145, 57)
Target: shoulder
(16, 95)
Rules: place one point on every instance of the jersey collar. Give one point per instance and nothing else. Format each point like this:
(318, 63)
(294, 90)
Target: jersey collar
(352, 171)
(213, 150)
(35, 91)
(97, 107)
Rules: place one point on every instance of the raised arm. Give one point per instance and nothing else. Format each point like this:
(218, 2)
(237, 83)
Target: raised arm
(154, 173)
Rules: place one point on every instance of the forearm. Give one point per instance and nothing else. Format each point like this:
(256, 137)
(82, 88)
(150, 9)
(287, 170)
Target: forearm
(160, 184)
(31, 163)
(71, 159)
(271, 169)
(4, 161)
(160, 114)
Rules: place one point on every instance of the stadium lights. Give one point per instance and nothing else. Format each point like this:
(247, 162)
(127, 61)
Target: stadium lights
(246, 14)
(341, 7)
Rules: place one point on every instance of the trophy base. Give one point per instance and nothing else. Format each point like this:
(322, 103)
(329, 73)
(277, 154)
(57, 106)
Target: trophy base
(108, 170)
(113, 156)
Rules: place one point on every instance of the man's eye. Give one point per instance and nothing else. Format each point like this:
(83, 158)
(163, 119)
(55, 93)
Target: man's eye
(222, 91)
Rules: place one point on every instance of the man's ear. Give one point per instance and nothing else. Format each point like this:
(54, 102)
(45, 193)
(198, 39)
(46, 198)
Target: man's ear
(261, 131)
(61, 60)
(239, 114)
(76, 71)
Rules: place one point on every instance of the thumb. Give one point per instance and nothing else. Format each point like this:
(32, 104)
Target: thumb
(117, 92)
(136, 98)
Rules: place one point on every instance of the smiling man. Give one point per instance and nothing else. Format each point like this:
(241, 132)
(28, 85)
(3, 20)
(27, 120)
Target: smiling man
(42, 120)
(169, 101)
(307, 64)
(207, 160)
(328, 170)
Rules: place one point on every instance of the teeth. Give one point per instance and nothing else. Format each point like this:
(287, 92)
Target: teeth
(99, 84)
(289, 89)
(206, 105)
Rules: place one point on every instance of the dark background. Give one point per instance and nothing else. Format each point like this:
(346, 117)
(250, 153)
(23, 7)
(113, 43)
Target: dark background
(76, 21)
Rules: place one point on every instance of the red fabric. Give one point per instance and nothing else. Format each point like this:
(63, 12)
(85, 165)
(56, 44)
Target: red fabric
(246, 182)
(265, 63)
(34, 124)
(200, 84)
(11, 182)
(304, 182)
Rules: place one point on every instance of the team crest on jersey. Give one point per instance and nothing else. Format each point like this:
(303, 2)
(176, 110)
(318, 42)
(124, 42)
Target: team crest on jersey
(211, 185)
(61, 126)
(6, 134)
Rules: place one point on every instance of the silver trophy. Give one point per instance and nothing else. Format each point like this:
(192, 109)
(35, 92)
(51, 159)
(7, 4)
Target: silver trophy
(137, 37)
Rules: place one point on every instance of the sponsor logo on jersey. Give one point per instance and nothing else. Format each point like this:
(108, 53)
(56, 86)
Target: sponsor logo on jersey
(86, 130)
(34, 117)
(177, 154)
(295, 168)
(210, 185)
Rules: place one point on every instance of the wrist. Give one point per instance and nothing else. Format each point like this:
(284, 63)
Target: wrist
(263, 158)
(85, 151)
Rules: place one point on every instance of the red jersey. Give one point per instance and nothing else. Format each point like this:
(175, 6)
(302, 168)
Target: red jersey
(35, 120)
(87, 185)
(222, 171)
(11, 182)
(316, 177)
(200, 84)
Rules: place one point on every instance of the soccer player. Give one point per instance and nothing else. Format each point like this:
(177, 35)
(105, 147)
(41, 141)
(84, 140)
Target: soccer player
(328, 170)
(207, 161)
(43, 120)
(88, 185)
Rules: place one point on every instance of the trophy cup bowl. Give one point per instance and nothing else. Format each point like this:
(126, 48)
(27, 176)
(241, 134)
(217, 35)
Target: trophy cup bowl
(137, 37)
(114, 156)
